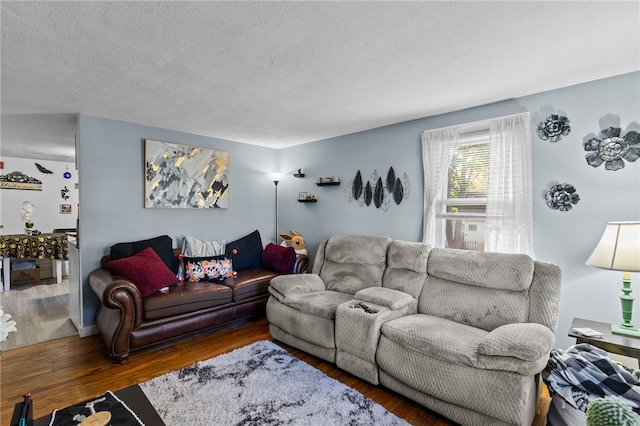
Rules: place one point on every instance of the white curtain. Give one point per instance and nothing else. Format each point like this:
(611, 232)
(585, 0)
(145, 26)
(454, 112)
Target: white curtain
(509, 226)
(509, 221)
(437, 149)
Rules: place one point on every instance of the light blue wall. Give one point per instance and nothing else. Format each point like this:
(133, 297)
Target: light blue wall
(111, 190)
(564, 238)
(112, 193)
(393, 146)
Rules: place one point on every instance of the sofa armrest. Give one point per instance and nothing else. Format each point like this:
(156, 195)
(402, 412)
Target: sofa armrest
(284, 286)
(117, 292)
(522, 348)
(525, 341)
(388, 297)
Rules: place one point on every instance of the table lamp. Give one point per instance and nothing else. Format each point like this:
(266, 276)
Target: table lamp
(619, 250)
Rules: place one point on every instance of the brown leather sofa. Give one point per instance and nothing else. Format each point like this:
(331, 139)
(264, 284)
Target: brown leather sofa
(129, 322)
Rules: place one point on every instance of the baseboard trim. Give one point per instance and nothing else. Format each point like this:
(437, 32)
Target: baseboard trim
(86, 331)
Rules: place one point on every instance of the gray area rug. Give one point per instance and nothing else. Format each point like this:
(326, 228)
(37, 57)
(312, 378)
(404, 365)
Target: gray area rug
(260, 384)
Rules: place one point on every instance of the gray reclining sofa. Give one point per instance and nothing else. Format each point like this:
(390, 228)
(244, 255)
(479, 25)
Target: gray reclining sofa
(463, 333)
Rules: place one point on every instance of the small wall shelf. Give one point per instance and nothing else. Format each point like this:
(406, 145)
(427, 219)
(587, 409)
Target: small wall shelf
(327, 183)
(308, 201)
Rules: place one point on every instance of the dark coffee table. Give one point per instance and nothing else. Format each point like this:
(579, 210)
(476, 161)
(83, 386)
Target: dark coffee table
(610, 342)
(134, 398)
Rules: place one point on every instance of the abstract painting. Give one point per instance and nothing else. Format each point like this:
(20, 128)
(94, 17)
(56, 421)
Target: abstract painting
(184, 176)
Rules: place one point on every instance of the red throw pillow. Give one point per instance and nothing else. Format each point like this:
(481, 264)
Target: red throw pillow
(279, 258)
(146, 270)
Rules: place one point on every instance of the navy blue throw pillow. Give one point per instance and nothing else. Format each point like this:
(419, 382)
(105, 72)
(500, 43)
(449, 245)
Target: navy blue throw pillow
(245, 252)
(163, 246)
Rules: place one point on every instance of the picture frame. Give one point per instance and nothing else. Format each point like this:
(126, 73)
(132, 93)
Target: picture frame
(65, 208)
(302, 196)
(185, 176)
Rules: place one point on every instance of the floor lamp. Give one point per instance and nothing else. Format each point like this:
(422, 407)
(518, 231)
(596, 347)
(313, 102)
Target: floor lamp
(276, 177)
(619, 250)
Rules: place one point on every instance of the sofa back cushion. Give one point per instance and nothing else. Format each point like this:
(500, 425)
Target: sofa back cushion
(480, 289)
(162, 245)
(245, 252)
(406, 267)
(352, 263)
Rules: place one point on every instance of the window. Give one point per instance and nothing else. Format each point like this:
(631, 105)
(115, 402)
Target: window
(463, 207)
(478, 186)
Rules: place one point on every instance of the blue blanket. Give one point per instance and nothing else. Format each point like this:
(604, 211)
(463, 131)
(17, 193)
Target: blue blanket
(584, 373)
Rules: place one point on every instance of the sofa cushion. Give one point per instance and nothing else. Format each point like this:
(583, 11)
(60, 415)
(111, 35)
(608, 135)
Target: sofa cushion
(245, 252)
(436, 337)
(479, 289)
(479, 307)
(464, 345)
(504, 271)
(184, 298)
(278, 258)
(207, 268)
(146, 270)
(354, 262)
(162, 245)
(321, 304)
(406, 267)
(250, 283)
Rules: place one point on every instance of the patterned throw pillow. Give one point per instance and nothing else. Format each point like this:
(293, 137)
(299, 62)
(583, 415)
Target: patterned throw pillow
(193, 247)
(209, 268)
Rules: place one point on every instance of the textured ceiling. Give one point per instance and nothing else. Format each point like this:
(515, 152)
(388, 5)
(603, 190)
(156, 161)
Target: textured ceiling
(284, 73)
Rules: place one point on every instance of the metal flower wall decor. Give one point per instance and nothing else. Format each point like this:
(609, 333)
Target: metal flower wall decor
(554, 128)
(377, 191)
(562, 197)
(612, 149)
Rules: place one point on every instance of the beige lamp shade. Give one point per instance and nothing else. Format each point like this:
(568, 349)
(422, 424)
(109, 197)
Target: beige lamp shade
(619, 248)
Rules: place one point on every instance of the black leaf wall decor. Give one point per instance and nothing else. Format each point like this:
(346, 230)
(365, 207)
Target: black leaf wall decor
(378, 196)
(43, 169)
(357, 186)
(391, 179)
(398, 191)
(378, 190)
(368, 194)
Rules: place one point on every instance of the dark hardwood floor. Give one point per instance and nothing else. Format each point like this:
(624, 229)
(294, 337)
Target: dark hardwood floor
(73, 369)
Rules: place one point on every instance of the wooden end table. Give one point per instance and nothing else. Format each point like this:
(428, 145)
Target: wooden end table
(614, 343)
